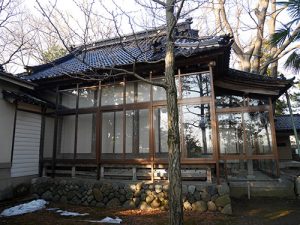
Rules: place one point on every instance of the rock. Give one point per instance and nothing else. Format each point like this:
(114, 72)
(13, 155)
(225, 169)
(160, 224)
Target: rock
(200, 206)
(149, 199)
(137, 193)
(205, 196)
(222, 201)
(197, 196)
(191, 199)
(187, 205)
(184, 189)
(136, 201)
(158, 188)
(100, 205)
(115, 187)
(122, 198)
(21, 190)
(114, 203)
(129, 204)
(227, 210)
(212, 190)
(144, 206)
(155, 203)
(111, 195)
(63, 199)
(191, 189)
(223, 189)
(47, 195)
(166, 187)
(139, 186)
(106, 188)
(122, 191)
(90, 198)
(129, 195)
(97, 194)
(214, 197)
(211, 206)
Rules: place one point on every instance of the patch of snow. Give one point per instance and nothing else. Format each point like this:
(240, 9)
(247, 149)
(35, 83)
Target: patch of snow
(110, 220)
(52, 209)
(66, 213)
(29, 207)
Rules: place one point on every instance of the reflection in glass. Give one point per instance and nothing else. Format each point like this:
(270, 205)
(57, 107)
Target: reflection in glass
(86, 133)
(67, 137)
(231, 133)
(229, 101)
(112, 134)
(160, 120)
(257, 102)
(112, 95)
(159, 93)
(197, 130)
(258, 133)
(137, 133)
(87, 97)
(68, 99)
(197, 85)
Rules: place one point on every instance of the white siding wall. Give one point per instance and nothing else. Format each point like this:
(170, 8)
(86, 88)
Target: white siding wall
(26, 144)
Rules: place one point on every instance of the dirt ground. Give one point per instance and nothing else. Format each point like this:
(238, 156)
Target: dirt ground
(245, 212)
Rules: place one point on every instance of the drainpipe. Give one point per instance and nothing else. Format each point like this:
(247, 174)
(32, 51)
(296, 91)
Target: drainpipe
(293, 122)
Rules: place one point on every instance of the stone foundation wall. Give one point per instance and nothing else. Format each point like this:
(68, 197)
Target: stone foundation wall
(142, 195)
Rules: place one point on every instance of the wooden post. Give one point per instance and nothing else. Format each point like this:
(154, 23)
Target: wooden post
(98, 133)
(55, 134)
(41, 155)
(293, 122)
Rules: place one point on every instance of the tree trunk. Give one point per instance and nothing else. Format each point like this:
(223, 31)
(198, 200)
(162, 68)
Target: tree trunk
(175, 187)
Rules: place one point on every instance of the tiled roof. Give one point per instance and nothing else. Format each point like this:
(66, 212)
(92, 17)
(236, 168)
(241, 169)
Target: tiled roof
(141, 47)
(284, 122)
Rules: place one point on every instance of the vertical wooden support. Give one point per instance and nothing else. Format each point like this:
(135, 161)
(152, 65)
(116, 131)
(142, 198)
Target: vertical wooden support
(98, 133)
(41, 154)
(55, 134)
(14, 131)
(208, 175)
(124, 118)
(274, 143)
(76, 127)
(214, 123)
(151, 131)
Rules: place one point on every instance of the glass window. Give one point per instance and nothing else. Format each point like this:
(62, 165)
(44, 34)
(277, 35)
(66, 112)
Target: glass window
(112, 134)
(231, 133)
(257, 102)
(197, 130)
(159, 93)
(112, 95)
(68, 99)
(130, 92)
(160, 120)
(88, 97)
(258, 133)
(67, 138)
(143, 92)
(86, 133)
(229, 101)
(137, 133)
(197, 85)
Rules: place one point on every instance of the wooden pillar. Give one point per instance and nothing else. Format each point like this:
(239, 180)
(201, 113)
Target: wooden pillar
(214, 123)
(76, 132)
(273, 132)
(55, 133)
(98, 133)
(41, 155)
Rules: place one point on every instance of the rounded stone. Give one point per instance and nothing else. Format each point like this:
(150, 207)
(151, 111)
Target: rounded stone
(191, 189)
(187, 205)
(200, 206)
(129, 204)
(155, 203)
(149, 199)
(227, 210)
(205, 196)
(144, 206)
(211, 206)
(113, 203)
(97, 194)
(222, 200)
(223, 189)
(158, 188)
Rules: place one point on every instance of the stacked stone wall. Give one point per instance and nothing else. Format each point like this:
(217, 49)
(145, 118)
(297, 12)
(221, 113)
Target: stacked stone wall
(143, 195)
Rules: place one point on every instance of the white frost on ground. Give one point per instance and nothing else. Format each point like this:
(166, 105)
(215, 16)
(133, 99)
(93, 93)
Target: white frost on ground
(110, 220)
(25, 208)
(66, 213)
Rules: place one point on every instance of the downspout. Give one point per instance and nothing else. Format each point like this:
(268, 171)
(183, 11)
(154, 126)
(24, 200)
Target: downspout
(293, 122)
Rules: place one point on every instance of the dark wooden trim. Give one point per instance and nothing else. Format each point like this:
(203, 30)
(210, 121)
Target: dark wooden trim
(29, 111)
(55, 133)
(244, 109)
(42, 137)
(98, 132)
(246, 157)
(124, 117)
(14, 133)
